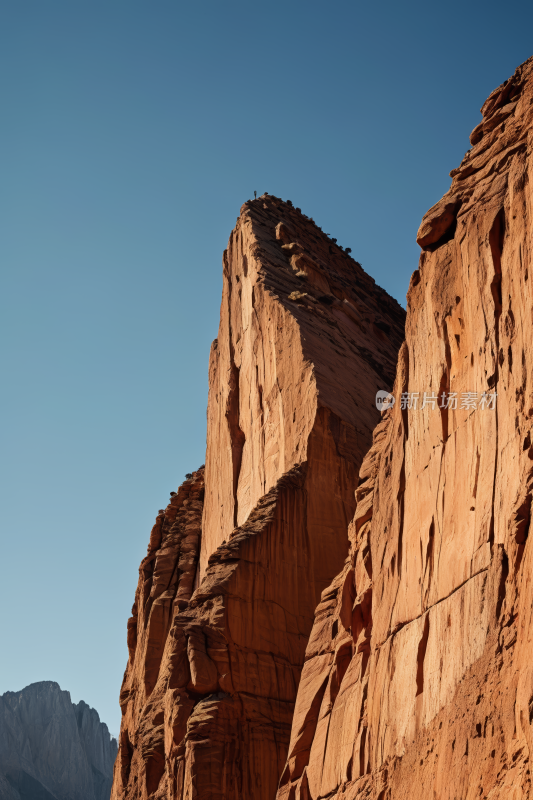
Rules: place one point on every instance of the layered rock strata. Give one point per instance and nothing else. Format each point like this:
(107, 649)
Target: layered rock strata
(418, 680)
(306, 339)
(51, 748)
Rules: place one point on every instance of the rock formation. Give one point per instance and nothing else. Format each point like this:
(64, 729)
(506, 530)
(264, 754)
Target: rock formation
(418, 679)
(238, 559)
(52, 749)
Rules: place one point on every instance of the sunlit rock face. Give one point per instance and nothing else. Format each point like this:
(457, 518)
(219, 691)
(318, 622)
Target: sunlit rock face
(238, 559)
(52, 749)
(418, 678)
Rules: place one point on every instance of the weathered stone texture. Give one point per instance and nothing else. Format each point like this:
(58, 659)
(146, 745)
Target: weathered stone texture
(304, 333)
(305, 341)
(418, 680)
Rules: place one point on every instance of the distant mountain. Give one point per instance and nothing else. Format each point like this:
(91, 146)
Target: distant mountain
(51, 748)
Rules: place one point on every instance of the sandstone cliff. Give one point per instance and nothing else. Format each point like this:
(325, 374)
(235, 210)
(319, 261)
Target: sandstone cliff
(237, 560)
(418, 680)
(51, 749)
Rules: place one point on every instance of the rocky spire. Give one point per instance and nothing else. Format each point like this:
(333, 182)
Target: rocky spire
(306, 339)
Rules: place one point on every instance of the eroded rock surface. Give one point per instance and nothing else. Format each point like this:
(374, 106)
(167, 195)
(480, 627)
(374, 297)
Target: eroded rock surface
(305, 341)
(418, 680)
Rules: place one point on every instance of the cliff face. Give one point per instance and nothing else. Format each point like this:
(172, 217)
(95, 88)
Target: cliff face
(305, 341)
(418, 680)
(51, 749)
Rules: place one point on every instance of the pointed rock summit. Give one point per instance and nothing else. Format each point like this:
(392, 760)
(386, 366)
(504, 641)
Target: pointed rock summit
(237, 561)
(52, 749)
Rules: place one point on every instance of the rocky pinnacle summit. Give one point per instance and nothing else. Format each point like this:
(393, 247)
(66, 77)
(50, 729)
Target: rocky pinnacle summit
(238, 559)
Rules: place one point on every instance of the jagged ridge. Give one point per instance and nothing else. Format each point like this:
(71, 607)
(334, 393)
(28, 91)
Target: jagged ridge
(52, 749)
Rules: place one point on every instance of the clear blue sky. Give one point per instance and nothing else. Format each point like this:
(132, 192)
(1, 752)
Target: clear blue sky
(131, 133)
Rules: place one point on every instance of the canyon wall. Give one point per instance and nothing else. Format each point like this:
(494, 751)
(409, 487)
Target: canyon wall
(418, 679)
(51, 748)
(238, 559)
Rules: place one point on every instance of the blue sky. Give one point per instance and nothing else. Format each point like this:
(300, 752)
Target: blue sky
(131, 134)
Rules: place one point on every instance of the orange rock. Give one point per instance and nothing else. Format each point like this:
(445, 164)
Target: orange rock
(296, 365)
(305, 341)
(418, 680)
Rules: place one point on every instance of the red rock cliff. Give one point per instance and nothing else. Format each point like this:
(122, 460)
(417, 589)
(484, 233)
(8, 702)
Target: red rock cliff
(418, 680)
(305, 341)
